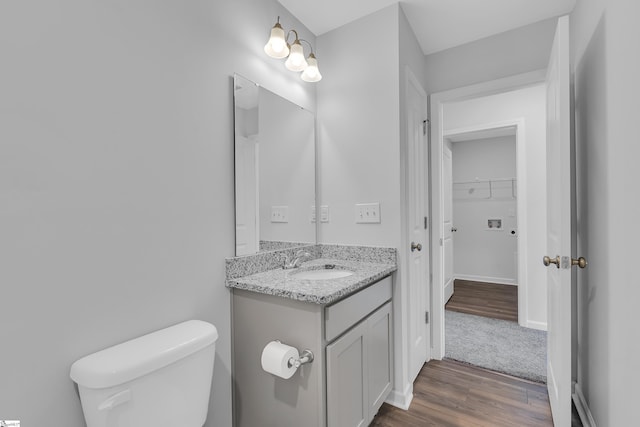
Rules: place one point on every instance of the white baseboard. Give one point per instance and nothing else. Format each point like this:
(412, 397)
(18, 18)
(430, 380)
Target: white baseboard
(582, 407)
(487, 279)
(448, 292)
(541, 326)
(399, 399)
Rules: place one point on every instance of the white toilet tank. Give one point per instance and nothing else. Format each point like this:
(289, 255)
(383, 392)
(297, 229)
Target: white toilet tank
(159, 379)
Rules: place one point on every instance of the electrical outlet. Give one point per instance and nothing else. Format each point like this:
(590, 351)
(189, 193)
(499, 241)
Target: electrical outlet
(313, 214)
(368, 213)
(279, 213)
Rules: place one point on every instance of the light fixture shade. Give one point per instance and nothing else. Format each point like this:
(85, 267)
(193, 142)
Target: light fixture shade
(311, 73)
(277, 47)
(296, 61)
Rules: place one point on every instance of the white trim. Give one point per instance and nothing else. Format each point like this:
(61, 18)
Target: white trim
(437, 104)
(581, 406)
(541, 326)
(486, 279)
(448, 291)
(401, 400)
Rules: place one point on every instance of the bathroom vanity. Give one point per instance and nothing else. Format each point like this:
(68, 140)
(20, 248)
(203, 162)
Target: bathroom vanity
(345, 321)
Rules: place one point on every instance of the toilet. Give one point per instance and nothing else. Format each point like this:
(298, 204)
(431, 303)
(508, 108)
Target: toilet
(160, 379)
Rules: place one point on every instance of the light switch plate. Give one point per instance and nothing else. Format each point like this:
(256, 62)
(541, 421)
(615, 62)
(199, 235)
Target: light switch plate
(324, 213)
(368, 213)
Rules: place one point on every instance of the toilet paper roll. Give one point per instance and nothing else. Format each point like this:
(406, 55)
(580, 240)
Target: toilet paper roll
(275, 359)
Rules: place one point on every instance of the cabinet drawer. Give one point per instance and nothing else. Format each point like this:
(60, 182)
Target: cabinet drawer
(342, 315)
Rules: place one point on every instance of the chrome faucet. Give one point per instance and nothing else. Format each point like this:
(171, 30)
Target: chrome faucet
(296, 261)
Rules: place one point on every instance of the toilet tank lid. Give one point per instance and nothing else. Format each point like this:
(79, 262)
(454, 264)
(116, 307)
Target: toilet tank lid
(140, 356)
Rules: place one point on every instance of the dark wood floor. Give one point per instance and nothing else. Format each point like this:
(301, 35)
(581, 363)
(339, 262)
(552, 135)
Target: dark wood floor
(448, 393)
(485, 299)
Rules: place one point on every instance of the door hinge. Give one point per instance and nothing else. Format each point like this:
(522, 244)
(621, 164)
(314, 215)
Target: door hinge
(425, 126)
(441, 241)
(426, 317)
(426, 223)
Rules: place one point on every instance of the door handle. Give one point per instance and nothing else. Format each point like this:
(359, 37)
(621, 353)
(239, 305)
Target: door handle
(548, 261)
(580, 262)
(415, 246)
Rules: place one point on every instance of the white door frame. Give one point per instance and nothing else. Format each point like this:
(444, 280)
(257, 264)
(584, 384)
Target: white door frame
(521, 202)
(437, 141)
(447, 223)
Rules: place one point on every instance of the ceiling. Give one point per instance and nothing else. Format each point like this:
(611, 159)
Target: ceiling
(438, 24)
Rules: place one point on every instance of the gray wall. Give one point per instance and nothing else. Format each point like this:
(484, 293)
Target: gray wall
(358, 116)
(116, 181)
(411, 56)
(512, 52)
(606, 68)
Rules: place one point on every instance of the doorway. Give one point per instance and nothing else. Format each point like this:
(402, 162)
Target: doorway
(515, 105)
(481, 248)
(484, 205)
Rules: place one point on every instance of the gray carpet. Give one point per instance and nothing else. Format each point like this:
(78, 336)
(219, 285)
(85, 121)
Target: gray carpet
(498, 345)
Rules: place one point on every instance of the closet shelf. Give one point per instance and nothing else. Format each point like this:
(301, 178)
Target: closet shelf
(485, 189)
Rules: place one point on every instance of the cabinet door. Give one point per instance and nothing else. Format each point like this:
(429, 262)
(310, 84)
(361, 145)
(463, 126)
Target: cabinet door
(347, 380)
(379, 357)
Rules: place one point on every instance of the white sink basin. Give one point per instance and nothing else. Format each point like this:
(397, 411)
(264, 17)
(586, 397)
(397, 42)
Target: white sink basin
(323, 274)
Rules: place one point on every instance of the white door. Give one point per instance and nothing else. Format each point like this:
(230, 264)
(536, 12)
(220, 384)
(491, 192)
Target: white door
(447, 221)
(419, 332)
(559, 228)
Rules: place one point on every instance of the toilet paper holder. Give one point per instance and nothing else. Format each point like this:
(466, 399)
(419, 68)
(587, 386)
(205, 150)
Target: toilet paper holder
(305, 357)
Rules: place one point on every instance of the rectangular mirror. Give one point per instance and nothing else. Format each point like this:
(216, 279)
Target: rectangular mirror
(274, 171)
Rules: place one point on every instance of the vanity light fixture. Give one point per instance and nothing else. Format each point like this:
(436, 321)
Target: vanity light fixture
(278, 47)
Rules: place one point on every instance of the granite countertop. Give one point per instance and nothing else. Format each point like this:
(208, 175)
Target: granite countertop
(283, 283)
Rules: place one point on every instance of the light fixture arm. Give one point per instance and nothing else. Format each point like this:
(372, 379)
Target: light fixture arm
(310, 47)
(289, 33)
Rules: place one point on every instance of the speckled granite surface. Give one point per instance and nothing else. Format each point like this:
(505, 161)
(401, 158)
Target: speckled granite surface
(251, 264)
(283, 283)
(271, 245)
(359, 253)
(264, 261)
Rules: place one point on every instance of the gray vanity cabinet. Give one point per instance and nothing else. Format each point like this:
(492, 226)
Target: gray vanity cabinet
(350, 376)
(359, 371)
